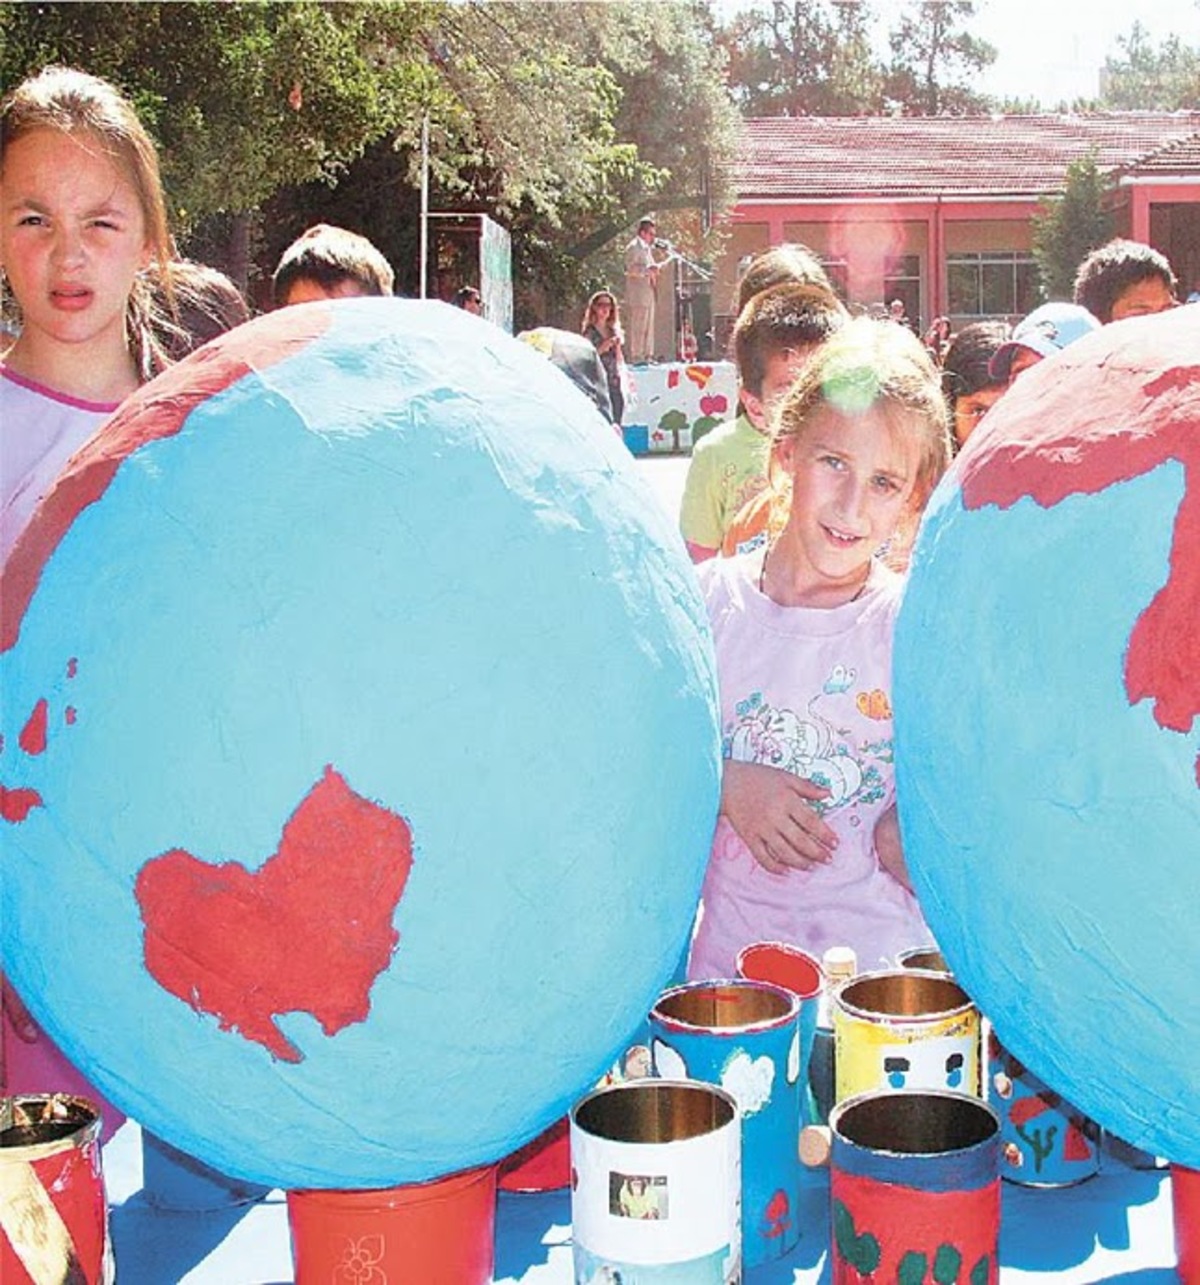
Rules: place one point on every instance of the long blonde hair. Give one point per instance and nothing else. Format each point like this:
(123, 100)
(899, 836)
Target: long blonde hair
(74, 102)
(868, 365)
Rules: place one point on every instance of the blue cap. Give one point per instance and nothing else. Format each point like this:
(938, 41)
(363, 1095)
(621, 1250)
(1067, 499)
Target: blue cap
(1046, 330)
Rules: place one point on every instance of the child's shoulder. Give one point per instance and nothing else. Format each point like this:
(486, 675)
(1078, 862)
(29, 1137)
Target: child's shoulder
(729, 578)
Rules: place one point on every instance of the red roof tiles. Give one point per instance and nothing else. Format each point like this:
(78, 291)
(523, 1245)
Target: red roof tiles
(812, 157)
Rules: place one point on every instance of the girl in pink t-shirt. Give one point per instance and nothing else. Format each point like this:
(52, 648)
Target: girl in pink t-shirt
(82, 216)
(807, 845)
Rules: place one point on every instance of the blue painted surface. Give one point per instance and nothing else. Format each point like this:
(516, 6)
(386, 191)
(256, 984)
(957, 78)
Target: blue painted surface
(1051, 826)
(760, 1066)
(412, 553)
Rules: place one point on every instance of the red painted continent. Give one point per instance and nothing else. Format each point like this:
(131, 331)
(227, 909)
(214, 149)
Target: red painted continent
(309, 931)
(1120, 409)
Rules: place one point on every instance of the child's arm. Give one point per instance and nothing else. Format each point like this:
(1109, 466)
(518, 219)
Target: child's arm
(772, 812)
(889, 851)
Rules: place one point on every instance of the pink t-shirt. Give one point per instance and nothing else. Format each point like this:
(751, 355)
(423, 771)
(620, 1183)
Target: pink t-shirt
(40, 430)
(807, 690)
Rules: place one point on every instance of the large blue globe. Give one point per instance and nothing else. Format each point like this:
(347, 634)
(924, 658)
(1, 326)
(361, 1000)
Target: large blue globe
(1047, 691)
(364, 715)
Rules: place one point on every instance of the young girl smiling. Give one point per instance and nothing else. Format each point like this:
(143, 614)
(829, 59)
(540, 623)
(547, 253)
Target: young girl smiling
(806, 849)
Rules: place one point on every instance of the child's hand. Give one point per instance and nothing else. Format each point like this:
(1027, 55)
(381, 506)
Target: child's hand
(772, 812)
(889, 851)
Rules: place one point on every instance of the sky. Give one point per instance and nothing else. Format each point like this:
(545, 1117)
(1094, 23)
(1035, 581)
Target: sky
(1054, 49)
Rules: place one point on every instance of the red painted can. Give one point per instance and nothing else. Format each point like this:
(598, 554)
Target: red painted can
(53, 1208)
(915, 1189)
(440, 1232)
(1185, 1200)
(541, 1165)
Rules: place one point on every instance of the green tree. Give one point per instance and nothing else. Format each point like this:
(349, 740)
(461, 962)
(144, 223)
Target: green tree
(241, 98)
(803, 58)
(564, 121)
(1148, 77)
(935, 57)
(1067, 228)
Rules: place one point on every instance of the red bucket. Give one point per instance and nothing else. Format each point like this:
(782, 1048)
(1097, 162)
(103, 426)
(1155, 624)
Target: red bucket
(53, 1210)
(439, 1233)
(1185, 1201)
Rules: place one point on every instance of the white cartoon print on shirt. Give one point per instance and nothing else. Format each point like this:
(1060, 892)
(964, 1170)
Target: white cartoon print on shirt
(807, 745)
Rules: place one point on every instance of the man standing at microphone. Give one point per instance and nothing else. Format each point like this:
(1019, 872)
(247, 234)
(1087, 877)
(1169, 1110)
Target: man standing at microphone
(641, 282)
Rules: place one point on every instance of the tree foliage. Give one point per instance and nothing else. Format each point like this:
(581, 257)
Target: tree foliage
(819, 58)
(1071, 226)
(242, 98)
(803, 58)
(563, 120)
(934, 58)
(1149, 77)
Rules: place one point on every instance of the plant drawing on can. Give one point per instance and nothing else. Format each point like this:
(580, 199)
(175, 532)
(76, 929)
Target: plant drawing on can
(914, 1190)
(1045, 1141)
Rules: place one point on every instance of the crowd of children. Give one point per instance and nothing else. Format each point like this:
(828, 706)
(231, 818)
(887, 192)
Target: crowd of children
(812, 496)
(843, 430)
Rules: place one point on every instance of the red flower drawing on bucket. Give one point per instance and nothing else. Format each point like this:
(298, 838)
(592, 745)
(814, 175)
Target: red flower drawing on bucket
(360, 1261)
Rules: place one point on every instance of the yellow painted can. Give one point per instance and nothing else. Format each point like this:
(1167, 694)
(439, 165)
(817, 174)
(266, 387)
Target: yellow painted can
(905, 1029)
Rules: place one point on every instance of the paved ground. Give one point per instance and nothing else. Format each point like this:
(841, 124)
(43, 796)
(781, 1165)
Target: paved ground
(665, 473)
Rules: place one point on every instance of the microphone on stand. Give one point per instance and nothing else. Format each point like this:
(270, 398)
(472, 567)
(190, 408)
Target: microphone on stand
(661, 244)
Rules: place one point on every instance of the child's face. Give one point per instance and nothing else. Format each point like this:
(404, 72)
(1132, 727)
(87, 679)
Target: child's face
(969, 410)
(307, 290)
(853, 480)
(781, 371)
(1143, 299)
(72, 239)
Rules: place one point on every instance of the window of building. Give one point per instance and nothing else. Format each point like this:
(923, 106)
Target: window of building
(838, 272)
(902, 280)
(991, 283)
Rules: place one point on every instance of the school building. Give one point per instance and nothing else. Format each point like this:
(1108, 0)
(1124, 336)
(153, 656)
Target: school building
(937, 211)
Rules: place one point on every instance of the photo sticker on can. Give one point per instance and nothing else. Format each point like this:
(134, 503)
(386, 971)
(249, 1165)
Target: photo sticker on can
(637, 1195)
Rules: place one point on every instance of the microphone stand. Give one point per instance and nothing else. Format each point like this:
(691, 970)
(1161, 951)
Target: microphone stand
(682, 298)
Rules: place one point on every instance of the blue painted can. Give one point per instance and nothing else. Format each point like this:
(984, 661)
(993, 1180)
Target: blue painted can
(744, 1036)
(795, 970)
(1044, 1140)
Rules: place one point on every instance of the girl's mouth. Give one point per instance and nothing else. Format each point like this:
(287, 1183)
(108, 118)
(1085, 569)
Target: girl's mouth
(70, 298)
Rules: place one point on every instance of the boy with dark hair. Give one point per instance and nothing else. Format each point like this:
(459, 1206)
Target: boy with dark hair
(775, 334)
(327, 262)
(1125, 279)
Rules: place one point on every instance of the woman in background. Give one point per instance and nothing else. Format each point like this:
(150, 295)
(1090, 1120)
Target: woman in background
(602, 325)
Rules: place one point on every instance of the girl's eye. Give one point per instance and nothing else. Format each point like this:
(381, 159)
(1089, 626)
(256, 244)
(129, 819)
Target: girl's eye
(886, 485)
(831, 461)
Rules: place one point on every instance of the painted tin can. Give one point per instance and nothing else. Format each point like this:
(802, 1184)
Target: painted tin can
(795, 970)
(905, 1029)
(926, 958)
(53, 1208)
(744, 1036)
(914, 1189)
(1185, 1207)
(1044, 1141)
(656, 1184)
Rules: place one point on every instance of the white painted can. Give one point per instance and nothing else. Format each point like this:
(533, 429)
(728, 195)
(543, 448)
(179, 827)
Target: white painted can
(656, 1184)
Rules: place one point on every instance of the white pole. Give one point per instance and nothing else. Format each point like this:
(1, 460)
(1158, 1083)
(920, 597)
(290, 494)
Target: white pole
(424, 204)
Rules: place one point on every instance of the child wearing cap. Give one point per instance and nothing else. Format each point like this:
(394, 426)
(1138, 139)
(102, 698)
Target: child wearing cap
(1045, 331)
